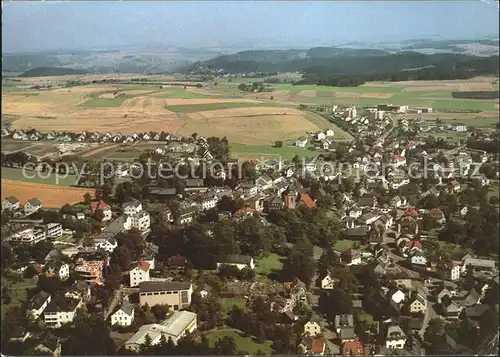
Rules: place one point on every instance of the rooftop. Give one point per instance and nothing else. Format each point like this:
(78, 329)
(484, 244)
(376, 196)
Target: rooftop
(152, 286)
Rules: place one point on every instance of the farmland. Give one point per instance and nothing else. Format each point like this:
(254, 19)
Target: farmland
(31, 176)
(213, 106)
(52, 196)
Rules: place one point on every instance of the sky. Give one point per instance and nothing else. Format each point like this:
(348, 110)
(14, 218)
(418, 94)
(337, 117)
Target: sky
(50, 25)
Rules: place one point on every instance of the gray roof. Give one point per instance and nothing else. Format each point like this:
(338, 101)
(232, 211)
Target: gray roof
(35, 202)
(477, 310)
(12, 199)
(235, 259)
(38, 300)
(347, 333)
(151, 286)
(133, 203)
(127, 308)
(344, 320)
(395, 332)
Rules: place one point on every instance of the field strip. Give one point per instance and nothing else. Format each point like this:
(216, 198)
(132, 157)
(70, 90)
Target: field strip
(98, 150)
(52, 196)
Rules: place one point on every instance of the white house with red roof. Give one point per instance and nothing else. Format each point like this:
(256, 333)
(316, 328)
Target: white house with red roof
(140, 273)
(101, 206)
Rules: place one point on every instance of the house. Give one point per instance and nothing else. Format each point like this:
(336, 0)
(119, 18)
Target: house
(418, 259)
(296, 289)
(140, 220)
(329, 132)
(79, 290)
(58, 268)
(451, 310)
(37, 304)
(437, 214)
(264, 182)
(103, 207)
(130, 208)
(353, 348)
(472, 298)
(61, 312)
(90, 271)
(11, 203)
(177, 295)
(20, 135)
(106, 242)
(312, 328)
(395, 338)
(282, 304)
(209, 201)
(344, 326)
(301, 142)
(177, 263)
(140, 273)
(205, 291)
(328, 283)
(320, 136)
(312, 346)
(418, 304)
(239, 261)
(274, 203)
(367, 200)
(351, 257)
(451, 271)
(186, 215)
(31, 206)
(124, 316)
(397, 296)
(248, 189)
(355, 212)
(50, 346)
(178, 325)
(307, 200)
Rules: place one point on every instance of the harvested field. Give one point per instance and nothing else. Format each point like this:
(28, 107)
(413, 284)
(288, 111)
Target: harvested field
(201, 91)
(99, 150)
(376, 95)
(497, 106)
(308, 93)
(424, 88)
(252, 126)
(52, 196)
(107, 96)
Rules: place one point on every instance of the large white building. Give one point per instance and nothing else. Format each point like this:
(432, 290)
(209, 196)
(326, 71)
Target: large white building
(176, 327)
(140, 273)
(239, 261)
(28, 236)
(396, 338)
(54, 230)
(57, 315)
(132, 207)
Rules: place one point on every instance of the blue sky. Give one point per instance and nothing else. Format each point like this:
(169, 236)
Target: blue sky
(82, 25)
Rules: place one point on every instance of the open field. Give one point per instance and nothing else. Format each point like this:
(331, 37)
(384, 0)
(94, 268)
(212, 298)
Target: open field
(243, 344)
(30, 176)
(18, 294)
(123, 152)
(52, 196)
(228, 303)
(243, 151)
(214, 106)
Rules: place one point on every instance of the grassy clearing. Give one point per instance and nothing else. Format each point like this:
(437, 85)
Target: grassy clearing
(9, 145)
(344, 244)
(243, 344)
(286, 152)
(300, 88)
(228, 303)
(268, 264)
(105, 102)
(11, 173)
(18, 294)
(191, 108)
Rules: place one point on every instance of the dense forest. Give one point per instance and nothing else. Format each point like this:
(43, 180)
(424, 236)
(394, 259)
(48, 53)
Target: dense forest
(349, 67)
(51, 71)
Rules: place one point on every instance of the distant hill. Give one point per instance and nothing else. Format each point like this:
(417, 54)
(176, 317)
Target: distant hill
(51, 71)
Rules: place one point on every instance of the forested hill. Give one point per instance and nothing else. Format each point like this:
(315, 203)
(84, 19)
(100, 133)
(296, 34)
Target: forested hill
(321, 62)
(51, 71)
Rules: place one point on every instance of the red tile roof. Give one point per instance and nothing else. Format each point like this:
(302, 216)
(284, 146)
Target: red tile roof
(353, 348)
(98, 205)
(411, 212)
(436, 213)
(143, 265)
(307, 200)
(318, 345)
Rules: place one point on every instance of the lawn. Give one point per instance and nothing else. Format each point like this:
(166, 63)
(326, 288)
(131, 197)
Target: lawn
(268, 264)
(286, 152)
(18, 293)
(191, 108)
(228, 303)
(344, 244)
(11, 173)
(243, 344)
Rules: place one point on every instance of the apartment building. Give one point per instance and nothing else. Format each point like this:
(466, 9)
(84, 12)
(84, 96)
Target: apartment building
(61, 312)
(177, 295)
(37, 304)
(28, 236)
(90, 271)
(140, 273)
(140, 220)
(54, 230)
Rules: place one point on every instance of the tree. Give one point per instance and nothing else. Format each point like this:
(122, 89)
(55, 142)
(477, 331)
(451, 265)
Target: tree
(300, 263)
(122, 256)
(494, 200)
(335, 302)
(278, 144)
(89, 327)
(87, 198)
(225, 346)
